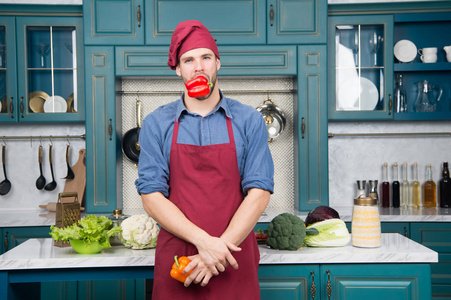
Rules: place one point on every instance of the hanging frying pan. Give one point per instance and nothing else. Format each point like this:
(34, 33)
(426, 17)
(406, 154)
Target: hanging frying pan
(130, 143)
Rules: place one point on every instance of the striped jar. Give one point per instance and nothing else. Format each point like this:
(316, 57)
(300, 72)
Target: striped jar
(366, 223)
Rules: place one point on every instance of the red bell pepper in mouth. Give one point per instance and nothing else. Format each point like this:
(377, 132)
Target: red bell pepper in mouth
(198, 87)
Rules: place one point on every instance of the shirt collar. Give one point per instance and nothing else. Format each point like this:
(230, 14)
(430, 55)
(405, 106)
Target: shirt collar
(181, 108)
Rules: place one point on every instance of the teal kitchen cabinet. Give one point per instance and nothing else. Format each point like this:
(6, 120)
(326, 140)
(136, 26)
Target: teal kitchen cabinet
(41, 69)
(437, 236)
(417, 28)
(345, 281)
(360, 51)
(390, 227)
(375, 281)
(311, 126)
(289, 282)
(296, 22)
(13, 236)
(117, 22)
(229, 21)
(103, 137)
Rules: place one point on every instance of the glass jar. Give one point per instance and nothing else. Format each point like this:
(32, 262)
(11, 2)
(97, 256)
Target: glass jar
(366, 223)
(117, 217)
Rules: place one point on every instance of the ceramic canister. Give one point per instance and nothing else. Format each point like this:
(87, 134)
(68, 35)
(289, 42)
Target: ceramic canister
(366, 223)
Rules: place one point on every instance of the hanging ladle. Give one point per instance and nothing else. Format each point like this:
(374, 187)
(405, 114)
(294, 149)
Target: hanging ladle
(5, 185)
(40, 182)
(51, 185)
(70, 172)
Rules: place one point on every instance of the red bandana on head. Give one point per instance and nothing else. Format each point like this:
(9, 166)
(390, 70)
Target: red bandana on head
(187, 36)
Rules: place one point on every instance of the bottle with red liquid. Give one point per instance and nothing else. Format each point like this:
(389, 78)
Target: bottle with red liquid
(395, 187)
(385, 187)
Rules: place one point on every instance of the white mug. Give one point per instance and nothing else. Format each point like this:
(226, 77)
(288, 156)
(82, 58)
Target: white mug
(430, 58)
(428, 51)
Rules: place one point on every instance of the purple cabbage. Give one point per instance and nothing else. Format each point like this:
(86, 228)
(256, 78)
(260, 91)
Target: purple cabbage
(321, 213)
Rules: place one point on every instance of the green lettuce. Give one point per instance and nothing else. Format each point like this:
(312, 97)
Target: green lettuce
(89, 229)
(332, 233)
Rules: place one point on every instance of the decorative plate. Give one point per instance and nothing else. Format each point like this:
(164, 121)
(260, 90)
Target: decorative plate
(405, 51)
(55, 104)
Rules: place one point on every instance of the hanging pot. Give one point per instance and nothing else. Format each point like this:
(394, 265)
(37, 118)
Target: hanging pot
(130, 142)
(275, 118)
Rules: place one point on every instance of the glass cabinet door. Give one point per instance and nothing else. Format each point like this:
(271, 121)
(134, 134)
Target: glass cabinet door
(52, 70)
(362, 68)
(7, 70)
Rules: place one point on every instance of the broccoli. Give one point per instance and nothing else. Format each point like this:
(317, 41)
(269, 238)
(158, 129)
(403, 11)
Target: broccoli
(286, 232)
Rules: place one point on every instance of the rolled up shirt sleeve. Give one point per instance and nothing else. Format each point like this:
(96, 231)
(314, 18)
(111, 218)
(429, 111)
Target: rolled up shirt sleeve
(258, 165)
(153, 166)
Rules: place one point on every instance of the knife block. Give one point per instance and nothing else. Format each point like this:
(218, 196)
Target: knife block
(67, 213)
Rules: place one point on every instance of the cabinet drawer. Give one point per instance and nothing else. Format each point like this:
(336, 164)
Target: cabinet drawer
(249, 60)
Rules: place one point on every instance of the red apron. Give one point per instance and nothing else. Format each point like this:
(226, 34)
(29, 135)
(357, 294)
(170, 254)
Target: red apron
(205, 185)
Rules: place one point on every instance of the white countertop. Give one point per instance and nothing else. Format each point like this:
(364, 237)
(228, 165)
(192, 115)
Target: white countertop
(41, 217)
(41, 254)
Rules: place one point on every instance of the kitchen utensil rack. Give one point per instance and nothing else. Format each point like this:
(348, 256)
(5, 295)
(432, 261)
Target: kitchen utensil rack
(42, 137)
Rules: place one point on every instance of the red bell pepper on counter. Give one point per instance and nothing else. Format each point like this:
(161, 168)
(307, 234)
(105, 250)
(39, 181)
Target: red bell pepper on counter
(178, 267)
(198, 87)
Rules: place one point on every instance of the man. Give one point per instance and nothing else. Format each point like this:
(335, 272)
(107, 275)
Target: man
(205, 175)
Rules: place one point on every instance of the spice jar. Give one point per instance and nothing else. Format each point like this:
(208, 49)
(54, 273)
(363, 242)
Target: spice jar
(366, 223)
(117, 217)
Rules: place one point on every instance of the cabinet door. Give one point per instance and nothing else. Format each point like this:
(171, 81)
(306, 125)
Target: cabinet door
(8, 76)
(229, 21)
(437, 236)
(311, 123)
(14, 236)
(395, 227)
(50, 69)
(102, 135)
(361, 72)
(291, 282)
(297, 21)
(117, 22)
(375, 281)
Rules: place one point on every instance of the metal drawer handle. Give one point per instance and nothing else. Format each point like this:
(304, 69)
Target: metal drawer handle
(329, 285)
(110, 129)
(390, 104)
(21, 107)
(11, 107)
(5, 241)
(139, 16)
(303, 127)
(271, 15)
(313, 287)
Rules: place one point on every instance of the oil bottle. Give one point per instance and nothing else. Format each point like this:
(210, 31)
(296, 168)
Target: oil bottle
(429, 189)
(415, 188)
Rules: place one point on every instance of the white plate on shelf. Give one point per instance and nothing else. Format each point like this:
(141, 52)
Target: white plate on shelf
(405, 51)
(358, 94)
(55, 104)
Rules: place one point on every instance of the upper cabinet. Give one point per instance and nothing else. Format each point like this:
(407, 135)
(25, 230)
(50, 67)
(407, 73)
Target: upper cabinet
(427, 79)
(297, 22)
(231, 22)
(41, 69)
(117, 22)
(360, 67)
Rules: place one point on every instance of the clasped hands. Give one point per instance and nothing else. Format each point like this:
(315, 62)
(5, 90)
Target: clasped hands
(215, 254)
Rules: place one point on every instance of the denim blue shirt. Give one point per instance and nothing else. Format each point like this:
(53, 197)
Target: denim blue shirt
(251, 139)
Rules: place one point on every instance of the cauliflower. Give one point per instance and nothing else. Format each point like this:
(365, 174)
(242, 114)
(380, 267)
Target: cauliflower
(139, 232)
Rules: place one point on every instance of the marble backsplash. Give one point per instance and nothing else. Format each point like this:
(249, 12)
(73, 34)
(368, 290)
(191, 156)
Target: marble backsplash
(362, 158)
(22, 166)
